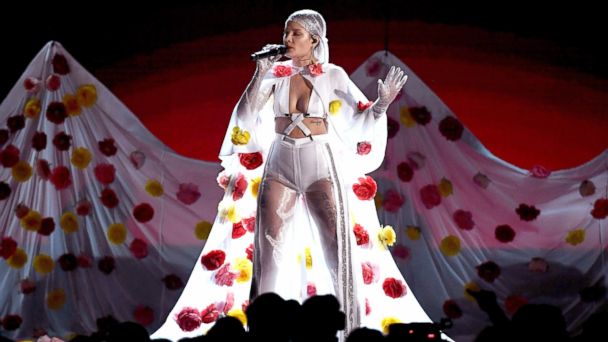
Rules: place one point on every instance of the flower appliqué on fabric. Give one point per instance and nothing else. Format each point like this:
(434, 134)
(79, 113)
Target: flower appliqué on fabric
(282, 70)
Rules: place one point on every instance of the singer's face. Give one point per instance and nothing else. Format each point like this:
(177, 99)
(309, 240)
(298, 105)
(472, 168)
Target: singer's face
(298, 41)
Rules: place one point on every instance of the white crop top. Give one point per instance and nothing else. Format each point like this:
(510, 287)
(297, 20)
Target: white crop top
(281, 101)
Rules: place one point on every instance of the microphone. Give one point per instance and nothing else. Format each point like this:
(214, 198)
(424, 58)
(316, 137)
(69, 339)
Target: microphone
(277, 50)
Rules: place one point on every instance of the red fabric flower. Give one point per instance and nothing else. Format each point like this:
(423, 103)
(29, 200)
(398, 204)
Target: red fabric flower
(214, 259)
(394, 288)
(68, 262)
(61, 178)
(251, 161)
(504, 233)
(106, 265)
(83, 207)
(27, 286)
(9, 156)
(188, 193)
(85, 261)
(11, 322)
(107, 147)
(143, 315)
(392, 127)
(238, 230)
(3, 136)
(143, 212)
(421, 115)
(600, 208)
(39, 141)
(228, 304)
(210, 314)
(392, 201)
(514, 302)
(31, 85)
(8, 247)
(224, 277)
(463, 219)
(364, 148)
(451, 128)
(405, 172)
(43, 170)
(240, 186)
(56, 112)
(62, 141)
(282, 70)
(488, 271)
(47, 226)
(139, 248)
(362, 106)
(53, 82)
(369, 273)
(173, 282)
(5, 191)
(15, 123)
(451, 309)
(361, 235)
(430, 196)
(366, 188)
(108, 198)
(249, 223)
(527, 212)
(249, 252)
(21, 210)
(223, 180)
(401, 252)
(368, 308)
(60, 64)
(105, 173)
(315, 69)
(188, 319)
(311, 289)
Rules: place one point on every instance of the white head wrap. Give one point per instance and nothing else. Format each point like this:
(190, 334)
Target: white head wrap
(314, 23)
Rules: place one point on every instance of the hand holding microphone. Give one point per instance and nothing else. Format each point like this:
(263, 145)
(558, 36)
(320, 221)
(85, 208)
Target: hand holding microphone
(269, 54)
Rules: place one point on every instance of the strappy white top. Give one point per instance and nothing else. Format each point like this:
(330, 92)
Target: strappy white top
(281, 101)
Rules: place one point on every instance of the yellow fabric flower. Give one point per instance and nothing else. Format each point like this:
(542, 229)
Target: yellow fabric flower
(245, 268)
(450, 245)
(406, 117)
(86, 95)
(18, 259)
(31, 221)
(32, 108)
(308, 256)
(334, 107)
(254, 185)
(470, 286)
(202, 230)
(117, 233)
(55, 299)
(68, 222)
(71, 105)
(575, 236)
(413, 232)
(238, 314)
(387, 236)
(387, 321)
(239, 137)
(43, 264)
(378, 200)
(22, 171)
(81, 157)
(154, 188)
(445, 187)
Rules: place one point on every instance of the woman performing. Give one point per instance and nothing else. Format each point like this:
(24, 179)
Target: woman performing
(298, 216)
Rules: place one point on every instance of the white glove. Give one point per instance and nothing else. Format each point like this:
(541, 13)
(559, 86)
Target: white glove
(388, 90)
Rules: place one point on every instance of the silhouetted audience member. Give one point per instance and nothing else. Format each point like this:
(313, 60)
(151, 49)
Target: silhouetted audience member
(269, 317)
(320, 319)
(226, 329)
(128, 331)
(365, 335)
(493, 334)
(539, 322)
(594, 328)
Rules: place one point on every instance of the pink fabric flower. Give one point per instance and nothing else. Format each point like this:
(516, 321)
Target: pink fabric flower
(107, 147)
(238, 230)
(362, 106)
(224, 277)
(240, 186)
(251, 161)
(540, 171)
(138, 159)
(504, 233)
(315, 69)
(249, 252)
(9, 157)
(188, 193)
(61, 178)
(366, 188)
(105, 173)
(39, 141)
(392, 201)
(600, 208)
(43, 170)
(214, 259)
(394, 288)
(53, 82)
(143, 315)
(463, 219)
(363, 148)
(368, 308)
(139, 248)
(8, 247)
(173, 282)
(282, 70)
(361, 235)
(481, 180)
(143, 212)
(31, 85)
(223, 180)
(370, 273)
(188, 319)
(228, 304)
(108, 198)
(210, 314)
(430, 196)
(451, 309)
(311, 289)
